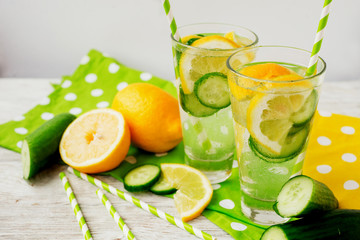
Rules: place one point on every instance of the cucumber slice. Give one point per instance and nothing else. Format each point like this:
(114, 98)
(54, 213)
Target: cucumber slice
(302, 195)
(141, 178)
(39, 147)
(212, 90)
(291, 147)
(162, 187)
(336, 224)
(190, 104)
(307, 111)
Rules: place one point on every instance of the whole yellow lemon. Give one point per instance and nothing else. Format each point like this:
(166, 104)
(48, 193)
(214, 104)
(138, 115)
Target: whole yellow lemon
(152, 114)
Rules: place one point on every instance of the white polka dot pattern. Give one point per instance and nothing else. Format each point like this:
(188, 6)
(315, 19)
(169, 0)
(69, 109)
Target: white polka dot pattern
(85, 60)
(97, 92)
(21, 130)
(91, 78)
(145, 76)
(121, 86)
(238, 226)
(75, 111)
(66, 84)
(114, 68)
(324, 141)
(47, 116)
(348, 130)
(227, 204)
(348, 157)
(351, 185)
(103, 104)
(324, 169)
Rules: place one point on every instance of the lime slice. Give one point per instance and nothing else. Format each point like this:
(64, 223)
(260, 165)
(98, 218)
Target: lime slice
(194, 62)
(270, 123)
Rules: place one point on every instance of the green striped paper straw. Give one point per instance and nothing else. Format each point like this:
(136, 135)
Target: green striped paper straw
(140, 204)
(171, 19)
(75, 206)
(202, 135)
(118, 220)
(318, 38)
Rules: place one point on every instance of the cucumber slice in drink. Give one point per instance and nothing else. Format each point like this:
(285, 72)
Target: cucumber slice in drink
(162, 187)
(307, 111)
(39, 147)
(339, 224)
(212, 90)
(291, 147)
(141, 178)
(191, 104)
(302, 196)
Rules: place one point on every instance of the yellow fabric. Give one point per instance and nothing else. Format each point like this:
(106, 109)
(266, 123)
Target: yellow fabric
(333, 156)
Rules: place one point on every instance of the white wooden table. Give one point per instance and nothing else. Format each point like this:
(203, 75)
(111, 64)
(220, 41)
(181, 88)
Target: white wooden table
(40, 210)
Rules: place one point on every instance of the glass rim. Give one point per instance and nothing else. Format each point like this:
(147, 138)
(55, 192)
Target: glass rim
(217, 50)
(275, 81)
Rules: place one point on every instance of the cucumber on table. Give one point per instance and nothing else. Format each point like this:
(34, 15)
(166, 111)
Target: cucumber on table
(39, 146)
(141, 178)
(162, 187)
(336, 224)
(302, 196)
(212, 90)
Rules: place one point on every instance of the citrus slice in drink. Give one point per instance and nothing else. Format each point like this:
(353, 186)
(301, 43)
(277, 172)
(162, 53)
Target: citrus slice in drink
(194, 189)
(96, 141)
(278, 113)
(189, 39)
(236, 38)
(274, 130)
(195, 62)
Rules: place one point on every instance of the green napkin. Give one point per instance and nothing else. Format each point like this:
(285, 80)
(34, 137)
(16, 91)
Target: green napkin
(93, 85)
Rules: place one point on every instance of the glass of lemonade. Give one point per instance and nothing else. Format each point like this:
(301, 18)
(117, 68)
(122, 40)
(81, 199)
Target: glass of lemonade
(273, 105)
(201, 79)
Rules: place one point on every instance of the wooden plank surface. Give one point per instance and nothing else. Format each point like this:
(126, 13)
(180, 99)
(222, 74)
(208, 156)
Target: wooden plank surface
(39, 209)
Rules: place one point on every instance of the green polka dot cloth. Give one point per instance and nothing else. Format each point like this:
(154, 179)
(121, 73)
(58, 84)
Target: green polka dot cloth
(93, 85)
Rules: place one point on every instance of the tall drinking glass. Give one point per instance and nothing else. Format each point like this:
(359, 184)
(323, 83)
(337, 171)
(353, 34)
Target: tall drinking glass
(273, 105)
(201, 79)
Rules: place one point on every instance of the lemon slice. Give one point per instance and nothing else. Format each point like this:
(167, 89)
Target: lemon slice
(97, 141)
(241, 41)
(194, 62)
(194, 189)
(187, 38)
(270, 121)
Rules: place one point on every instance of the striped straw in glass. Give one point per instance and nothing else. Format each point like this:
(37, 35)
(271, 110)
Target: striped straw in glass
(318, 38)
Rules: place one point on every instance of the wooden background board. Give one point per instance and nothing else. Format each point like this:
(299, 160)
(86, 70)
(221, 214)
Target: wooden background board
(40, 210)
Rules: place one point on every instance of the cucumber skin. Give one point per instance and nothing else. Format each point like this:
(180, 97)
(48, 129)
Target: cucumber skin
(332, 225)
(144, 187)
(202, 79)
(313, 103)
(201, 111)
(322, 199)
(162, 191)
(44, 142)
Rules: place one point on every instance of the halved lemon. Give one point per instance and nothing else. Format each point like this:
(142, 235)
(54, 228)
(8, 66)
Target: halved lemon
(194, 63)
(194, 189)
(97, 141)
